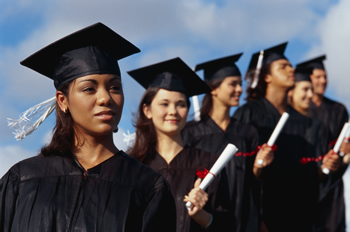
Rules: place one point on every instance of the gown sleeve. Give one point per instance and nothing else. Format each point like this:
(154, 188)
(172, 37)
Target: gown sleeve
(160, 213)
(8, 198)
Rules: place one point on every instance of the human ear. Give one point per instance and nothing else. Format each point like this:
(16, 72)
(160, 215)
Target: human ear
(268, 78)
(147, 111)
(214, 92)
(62, 101)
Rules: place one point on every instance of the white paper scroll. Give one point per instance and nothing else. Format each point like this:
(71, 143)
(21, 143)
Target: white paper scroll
(276, 132)
(337, 145)
(220, 163)
(196, 108)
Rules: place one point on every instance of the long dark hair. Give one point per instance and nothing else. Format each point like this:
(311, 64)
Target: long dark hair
(146, 142)
(207, 102)
(63, 138)
(260, 90)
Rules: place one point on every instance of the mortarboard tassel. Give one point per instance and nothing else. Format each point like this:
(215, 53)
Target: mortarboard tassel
(196, 108)
(257, 71)
(23, 126)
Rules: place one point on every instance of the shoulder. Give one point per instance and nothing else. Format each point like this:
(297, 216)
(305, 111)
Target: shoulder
(197, 127)
(40, 166)
(128, 171)
(199, 157)
(248, 109)
(334, 104)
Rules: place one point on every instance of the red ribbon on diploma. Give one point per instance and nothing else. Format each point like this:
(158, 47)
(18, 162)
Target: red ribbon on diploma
(202, 172)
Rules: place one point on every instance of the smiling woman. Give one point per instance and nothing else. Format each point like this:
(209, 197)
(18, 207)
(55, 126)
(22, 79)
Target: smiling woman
(81, 181)
(161, 116)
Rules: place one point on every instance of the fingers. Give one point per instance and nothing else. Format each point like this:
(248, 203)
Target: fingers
(331, 161)
(345, 147)
(264, 157)
(197, 182)
(198, 198)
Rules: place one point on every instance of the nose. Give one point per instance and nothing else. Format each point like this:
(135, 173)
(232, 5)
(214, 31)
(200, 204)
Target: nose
(310, 94)
(172, 109)
(239, 88)
(103, 97)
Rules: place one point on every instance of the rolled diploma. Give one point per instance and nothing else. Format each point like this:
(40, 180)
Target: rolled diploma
(276, 132)
(220, 163)
(337, 145)
(196, 108)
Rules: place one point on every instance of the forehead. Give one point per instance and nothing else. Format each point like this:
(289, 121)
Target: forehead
(303, 84)
(319, 72)
(232, 78)
(98, 77)
(164, 94)
(280, 62)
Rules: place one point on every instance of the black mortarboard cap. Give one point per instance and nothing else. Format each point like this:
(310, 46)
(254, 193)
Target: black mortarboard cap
(316, 63)
(270, 55)
(172, 75)
(302, 74)
(95, 49)
(220, 68)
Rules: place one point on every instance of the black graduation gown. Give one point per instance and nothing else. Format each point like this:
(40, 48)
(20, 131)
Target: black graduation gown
(181, 175)
(333, 115)
(53, 194)
(243, 186)
(289, 188)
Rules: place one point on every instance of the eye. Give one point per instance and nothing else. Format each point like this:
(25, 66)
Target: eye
(164, 104)
(88, 89)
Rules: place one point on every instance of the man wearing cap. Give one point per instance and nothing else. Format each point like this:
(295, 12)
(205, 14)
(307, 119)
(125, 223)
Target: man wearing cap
(333, 115)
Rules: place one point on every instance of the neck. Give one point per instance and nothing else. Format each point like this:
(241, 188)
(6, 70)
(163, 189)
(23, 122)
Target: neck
(278, 97)
(317, 99)
(220, 114)
(169, 146)
(94, 150)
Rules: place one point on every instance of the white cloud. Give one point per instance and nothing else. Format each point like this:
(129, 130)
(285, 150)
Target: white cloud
(9, 155)
(334, 36)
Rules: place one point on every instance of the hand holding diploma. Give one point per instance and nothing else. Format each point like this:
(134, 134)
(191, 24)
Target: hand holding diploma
(220, 163)
(327, 167)
(275, 133)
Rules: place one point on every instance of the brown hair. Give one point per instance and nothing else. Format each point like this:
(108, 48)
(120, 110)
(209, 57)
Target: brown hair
(145, 145)
(207, 102)
(260, 90)
(63, 138)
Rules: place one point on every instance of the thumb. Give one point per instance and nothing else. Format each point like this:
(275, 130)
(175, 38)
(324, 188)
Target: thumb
(197, 183)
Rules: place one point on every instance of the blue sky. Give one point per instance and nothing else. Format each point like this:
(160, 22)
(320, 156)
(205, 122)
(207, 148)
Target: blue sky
(196, 31)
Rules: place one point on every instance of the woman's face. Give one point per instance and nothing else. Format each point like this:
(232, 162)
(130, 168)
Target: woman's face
(281, 74)
(302, 95)
(229, 91)
(168, 112)
(95, 103)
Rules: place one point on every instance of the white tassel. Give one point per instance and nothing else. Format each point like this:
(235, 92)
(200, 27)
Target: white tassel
(257, 71)
(23, 126)
(129, 139)
(196, 108)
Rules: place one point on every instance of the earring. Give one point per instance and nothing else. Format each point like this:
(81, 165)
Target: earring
(65, 110)
(115, 130)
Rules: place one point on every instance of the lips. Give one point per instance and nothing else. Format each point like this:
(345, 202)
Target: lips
(105, 115)
(172, 120)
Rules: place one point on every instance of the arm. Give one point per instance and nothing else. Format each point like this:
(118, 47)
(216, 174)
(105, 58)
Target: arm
(8, 199)
(160, 213)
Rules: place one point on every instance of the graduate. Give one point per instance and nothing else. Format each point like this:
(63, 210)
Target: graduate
(333, 115)
(288, 198)
(81, 181)
(216, 129)
(161, 116)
